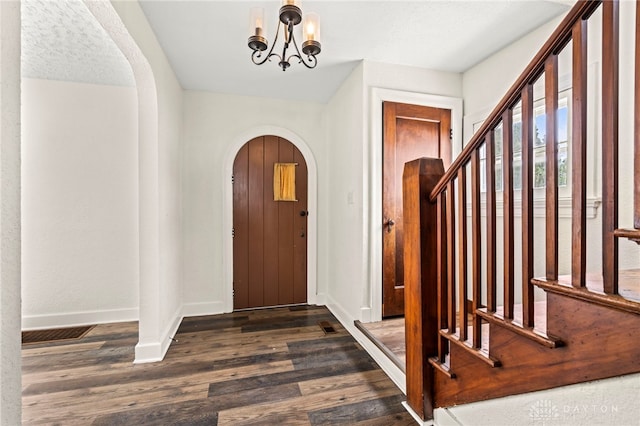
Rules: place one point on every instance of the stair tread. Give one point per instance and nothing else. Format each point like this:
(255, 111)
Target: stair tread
(540, 315)
(628, 283)
(537, 334)
(481, 353)
(442, 367)
(628, 297)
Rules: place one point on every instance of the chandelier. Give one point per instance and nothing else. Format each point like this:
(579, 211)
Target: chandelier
(290, 16)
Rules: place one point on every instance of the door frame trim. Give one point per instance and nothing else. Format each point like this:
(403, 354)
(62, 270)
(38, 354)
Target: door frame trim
(372, 219)
(227, 210)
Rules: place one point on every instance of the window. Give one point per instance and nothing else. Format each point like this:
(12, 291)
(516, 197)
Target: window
(539, 146)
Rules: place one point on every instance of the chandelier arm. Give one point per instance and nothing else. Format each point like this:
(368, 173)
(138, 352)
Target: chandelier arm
(313, 61)
(255, 56)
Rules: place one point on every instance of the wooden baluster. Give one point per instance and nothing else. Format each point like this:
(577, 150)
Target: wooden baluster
(462, 251)
(507, 198)
(610, 37)
(579, 156)
(420, 273)
(476, 297)
(551, 111)
(443, 343)
(527, 205)
(636, 156)
(451, 258)
(491, 220)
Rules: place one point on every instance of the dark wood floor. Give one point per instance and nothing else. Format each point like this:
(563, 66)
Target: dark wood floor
(267, 367)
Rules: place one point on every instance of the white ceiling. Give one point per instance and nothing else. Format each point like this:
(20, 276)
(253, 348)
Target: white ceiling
(206, 41)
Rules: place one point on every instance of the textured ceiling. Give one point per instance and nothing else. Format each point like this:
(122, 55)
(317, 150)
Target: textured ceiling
(61, 40)
(206, 41)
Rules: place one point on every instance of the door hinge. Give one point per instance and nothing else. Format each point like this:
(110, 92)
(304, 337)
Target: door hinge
(451, 134)
(233, 232)
(233, 179)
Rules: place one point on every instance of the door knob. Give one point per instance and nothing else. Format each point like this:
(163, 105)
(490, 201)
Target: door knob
(389, 225)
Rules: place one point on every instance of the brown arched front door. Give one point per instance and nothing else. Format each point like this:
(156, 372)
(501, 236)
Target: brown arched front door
(269, 224)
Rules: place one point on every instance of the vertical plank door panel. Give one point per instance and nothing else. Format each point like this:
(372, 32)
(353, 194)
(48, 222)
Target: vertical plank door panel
(271, 275)
(241, 229)
(256, 222)
(287, 234)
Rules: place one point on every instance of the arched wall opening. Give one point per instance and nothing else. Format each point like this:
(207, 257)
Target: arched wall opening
(151, 345)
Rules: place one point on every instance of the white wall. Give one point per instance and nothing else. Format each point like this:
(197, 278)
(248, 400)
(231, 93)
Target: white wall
(79, 203)
(10, 362)
(214, 126)
(486, 83)
(346, 190)
(160, 151)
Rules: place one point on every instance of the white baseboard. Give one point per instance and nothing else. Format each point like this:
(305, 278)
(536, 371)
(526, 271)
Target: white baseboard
(321, 300)
(416, 417)
(155, 351)
(73, 319)
(204, 308)
(365, 315)
(390, 369)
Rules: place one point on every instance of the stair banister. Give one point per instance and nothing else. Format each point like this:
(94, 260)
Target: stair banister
(560, 37)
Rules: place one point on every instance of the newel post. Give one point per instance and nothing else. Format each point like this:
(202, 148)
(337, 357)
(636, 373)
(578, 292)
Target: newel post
(420, 280)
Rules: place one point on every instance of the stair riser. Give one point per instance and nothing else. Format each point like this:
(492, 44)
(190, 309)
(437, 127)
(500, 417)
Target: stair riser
(527, 366)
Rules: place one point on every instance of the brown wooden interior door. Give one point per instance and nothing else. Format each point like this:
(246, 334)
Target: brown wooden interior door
(409, 132)
(269, 237)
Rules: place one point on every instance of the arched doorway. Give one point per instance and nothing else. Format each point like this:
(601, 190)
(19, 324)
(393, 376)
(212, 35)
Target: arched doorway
(270, 209)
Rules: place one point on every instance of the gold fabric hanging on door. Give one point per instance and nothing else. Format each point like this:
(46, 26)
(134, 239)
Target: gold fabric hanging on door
(284, 181)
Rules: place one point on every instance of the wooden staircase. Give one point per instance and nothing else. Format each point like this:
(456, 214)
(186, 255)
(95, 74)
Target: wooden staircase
(473, 334)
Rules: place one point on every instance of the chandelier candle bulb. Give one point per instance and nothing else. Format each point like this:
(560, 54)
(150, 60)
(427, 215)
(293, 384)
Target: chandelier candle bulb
(312, 27)
(257, 19)
(257, 42)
